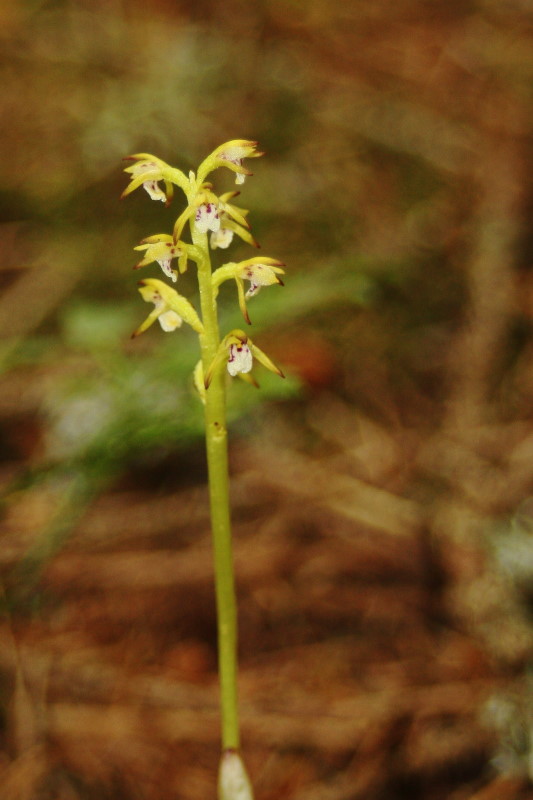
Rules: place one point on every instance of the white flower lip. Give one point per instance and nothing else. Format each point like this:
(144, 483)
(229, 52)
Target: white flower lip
(169, 320)
(221, 238)
(207, 218)
(240, 359)
(154, 190)
(165, 264)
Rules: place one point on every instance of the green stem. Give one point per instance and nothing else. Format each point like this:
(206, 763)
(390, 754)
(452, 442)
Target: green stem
(217, 464)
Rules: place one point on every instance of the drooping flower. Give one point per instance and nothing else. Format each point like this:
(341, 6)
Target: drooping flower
(170, 308)
(235, 154)
(231, 155)
(147, 171)
(237, 352)
(168, 318)
(163, 249)
(260, 271)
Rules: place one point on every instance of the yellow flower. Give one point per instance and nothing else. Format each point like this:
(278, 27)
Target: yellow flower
(209, 210)
(260, 271)
(163, 249)
(230, 155)
(170, 308)
(237, 351)
(148, 171)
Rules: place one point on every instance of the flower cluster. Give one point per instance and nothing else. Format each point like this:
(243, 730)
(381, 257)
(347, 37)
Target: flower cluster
(214, 221)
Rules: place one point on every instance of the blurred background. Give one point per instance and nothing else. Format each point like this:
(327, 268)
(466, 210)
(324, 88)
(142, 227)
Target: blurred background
(382, 494)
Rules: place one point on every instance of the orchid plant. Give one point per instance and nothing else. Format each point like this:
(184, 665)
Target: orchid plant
(213, 222)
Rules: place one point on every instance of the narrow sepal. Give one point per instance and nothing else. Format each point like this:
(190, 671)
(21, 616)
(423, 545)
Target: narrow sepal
(264, 359)
(242, 300)
(150, 319)
(181, 221)
(154, 239)
(139, 180)
(247, 377)
(217, 363)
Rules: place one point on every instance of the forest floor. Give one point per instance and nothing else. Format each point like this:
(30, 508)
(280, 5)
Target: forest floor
(360, 675)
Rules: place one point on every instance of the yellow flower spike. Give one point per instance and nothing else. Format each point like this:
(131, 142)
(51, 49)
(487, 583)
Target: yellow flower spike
(213, 220)
(230, 155)
(148, 171)
(237, 351)
(171, 308)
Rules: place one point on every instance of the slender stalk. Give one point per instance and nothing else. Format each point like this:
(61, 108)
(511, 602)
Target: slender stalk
(217, 463)
(236, 351)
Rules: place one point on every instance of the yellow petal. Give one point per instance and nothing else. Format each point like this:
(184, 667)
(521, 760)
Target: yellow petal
(150, 319)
